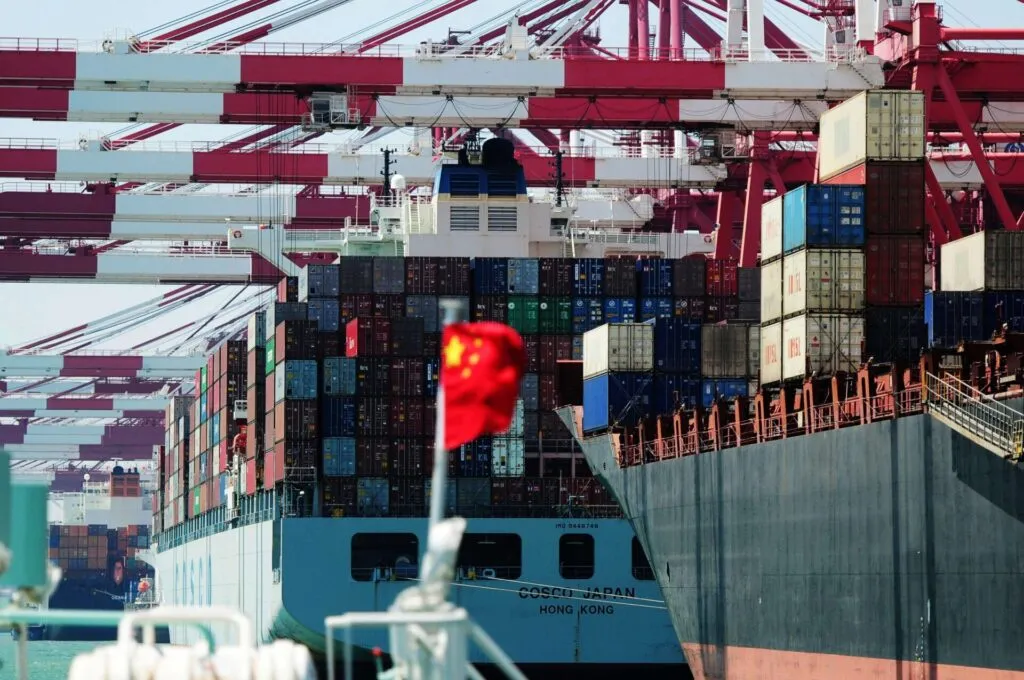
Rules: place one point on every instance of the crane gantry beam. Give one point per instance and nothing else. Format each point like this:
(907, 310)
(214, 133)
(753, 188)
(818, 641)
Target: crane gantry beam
(29, 406)
(31, 434)
(90, 365)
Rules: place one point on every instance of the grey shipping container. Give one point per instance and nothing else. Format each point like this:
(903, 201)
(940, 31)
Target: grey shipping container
(388, 275)
(524, 276)
(725, 350)
(749, 281)
(472, 492)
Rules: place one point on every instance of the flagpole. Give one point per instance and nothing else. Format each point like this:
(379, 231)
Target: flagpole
(454, 310)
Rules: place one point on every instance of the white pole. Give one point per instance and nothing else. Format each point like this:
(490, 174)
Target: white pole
(454, 310)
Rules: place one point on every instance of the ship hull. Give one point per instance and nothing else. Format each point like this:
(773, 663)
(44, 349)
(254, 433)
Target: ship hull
(290, 600)
(894, 549)
(88, 593)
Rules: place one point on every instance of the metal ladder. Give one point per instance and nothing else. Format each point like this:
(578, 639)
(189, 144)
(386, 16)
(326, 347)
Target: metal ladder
(988, 422)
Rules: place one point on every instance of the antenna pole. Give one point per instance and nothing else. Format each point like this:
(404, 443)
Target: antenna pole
(386, 172)
(559, 178)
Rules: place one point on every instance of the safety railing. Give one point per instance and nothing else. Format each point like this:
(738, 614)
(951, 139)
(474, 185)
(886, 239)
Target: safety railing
(38, 44)
(986, 419)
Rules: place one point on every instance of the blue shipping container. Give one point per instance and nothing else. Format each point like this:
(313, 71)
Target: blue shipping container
(677, 346)
(223, 488)
(588, 277)
(338, 417)
(724, 388)
(340, 457)
(524, 276)
(213, 431)
(339, 376)
(619, 310)
(326, 313)
(616, 399)
(656, 308)
(655, 277)
(300, 379)
(490, 275)
(529, 392)
(823, 215)
(474, 459)
(953, 317)
(425, 307)
(587, 313)
(319, 281)
(577, 348)
(1004, 307)
(673, 391)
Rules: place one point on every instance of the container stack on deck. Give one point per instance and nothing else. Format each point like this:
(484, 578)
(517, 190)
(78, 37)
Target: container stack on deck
(982, 288)
(91, 550)
(173, 468)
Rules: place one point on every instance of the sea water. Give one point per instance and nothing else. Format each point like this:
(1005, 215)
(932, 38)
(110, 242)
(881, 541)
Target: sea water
(46, 660)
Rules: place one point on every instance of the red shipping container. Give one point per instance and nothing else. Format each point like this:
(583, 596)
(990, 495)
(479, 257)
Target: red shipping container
(269, 430)
(721, 278)
(368, 337)
(250, 476)
(407, 457)
(389, 306)
(894, 195)
(199, 381)
(547, 392)
(551, 349)
(407, 377)
(894, 270)
(288, 289)
(406, 417)
(718, 309)
(268, 470)
(372, 454)
(270, 392)
(354, 306)
(295, 420)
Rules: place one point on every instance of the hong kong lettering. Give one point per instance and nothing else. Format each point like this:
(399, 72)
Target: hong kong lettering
(607, 594)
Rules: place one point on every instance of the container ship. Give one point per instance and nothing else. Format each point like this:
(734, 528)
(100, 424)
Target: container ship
(100, 527)
(859, 515)
(294, 481)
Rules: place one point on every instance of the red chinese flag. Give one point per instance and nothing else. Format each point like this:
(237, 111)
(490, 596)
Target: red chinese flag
(481, 366)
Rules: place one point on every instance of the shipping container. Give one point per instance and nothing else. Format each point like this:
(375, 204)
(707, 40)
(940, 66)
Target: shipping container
(656, 308)
(472, 496)
(987, 260)
(339, 416)
(339, 497)
(318, 281)
(771, 353)
(885, 125)
(474, 459)
(524, 276)
(373, 416)
(729, 350)
(772, 284)
(677, 346)
(552, 349)
(771, 229)
(749, 284)
(619, 310)
(953, 317)
(620, 276)
(894, 195)
(372, 496)
(490, 308)
(406, 377)
(296, 379)
(529, 391)
(894, 267)
(296, 340)
(368, 337)
(1004, 308)
(655, 277)
(625, 348)
(587, 313)
(720, 278)
(339, 376)
(388, 306)
(724, 388)
(256, 335)
(822, 280)
(407, 496)
(426, 308)
(354, 307)
(895, 334)
(339, 456)
(388, 275)
(373, 377)
(326, 313)
(288, 289)
(691, 308)
(490, 276)
(524, 314)
(555, 316)
(406, 417)
(450, 496)
(822, 343)
(588, 277)
(271, 356)
(410, 457)
(616, 399)
(824, 216)
(556, 276)
(689, 276)
(295, 420)
(673, 391)
(355, 275)
(508, 457)
(407, 337)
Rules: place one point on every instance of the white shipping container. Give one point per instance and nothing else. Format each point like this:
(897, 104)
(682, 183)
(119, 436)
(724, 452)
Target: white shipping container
(771, 353)
(613, 347)
(280, 382)
(250, 336)
(823, 280)
(988, 260)
(822, 343)
(725, 350)
(771, 291)
(884, 125)
(771, 229)
(754, 350)
(508, 457)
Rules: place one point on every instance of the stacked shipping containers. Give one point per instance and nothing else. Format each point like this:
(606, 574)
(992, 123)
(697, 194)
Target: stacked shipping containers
(887, 159)
(618, 375)
(982, 288)
(90, 551)
(173, 467)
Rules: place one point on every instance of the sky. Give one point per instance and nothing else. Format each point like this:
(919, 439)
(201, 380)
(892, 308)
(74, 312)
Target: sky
(31, 311)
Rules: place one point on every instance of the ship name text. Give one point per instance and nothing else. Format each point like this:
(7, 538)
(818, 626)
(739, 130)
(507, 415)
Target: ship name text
(605, 594)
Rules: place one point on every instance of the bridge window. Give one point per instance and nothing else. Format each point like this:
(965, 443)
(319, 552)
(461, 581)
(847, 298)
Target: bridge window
(483, 554)
(576, 556)
(383, 556)
(641, 566)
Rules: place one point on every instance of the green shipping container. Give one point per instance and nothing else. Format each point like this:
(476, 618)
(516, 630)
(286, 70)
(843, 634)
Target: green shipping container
(555, 316)
(524, 313)
(195, 503)
(271, 361)
(202, 380)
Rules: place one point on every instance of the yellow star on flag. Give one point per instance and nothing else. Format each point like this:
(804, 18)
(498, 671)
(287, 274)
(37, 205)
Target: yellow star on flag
(453, 352)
